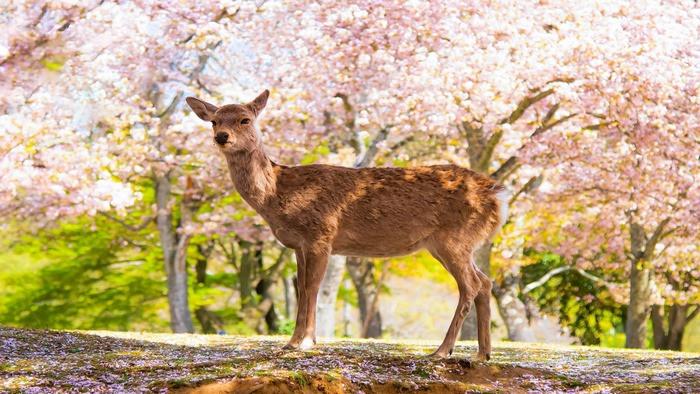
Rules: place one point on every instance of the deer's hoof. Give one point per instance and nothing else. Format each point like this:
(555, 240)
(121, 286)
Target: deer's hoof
(439, 354)
(307, 343)
(483, 356)
(290, 346)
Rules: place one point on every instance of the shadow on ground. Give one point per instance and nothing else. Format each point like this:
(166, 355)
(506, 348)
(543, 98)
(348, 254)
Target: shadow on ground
(52, 361)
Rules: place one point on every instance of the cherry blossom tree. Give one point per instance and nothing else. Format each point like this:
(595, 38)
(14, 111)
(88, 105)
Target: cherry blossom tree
(92, 103)
(627, 187)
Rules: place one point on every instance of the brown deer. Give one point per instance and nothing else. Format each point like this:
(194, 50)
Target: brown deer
(319, 210)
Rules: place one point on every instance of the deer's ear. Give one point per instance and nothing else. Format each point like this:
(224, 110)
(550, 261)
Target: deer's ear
(258, 104)
(204, 110)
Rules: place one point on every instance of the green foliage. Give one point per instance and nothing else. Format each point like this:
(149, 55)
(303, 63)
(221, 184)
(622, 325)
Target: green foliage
(82, 275)
(586, 308)
(421, 265)
(315, 154)
(286, 327)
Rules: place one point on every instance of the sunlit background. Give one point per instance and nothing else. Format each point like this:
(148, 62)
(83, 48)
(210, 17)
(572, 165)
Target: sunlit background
(589, 112)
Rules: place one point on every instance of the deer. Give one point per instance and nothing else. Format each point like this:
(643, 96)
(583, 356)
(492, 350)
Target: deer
(375, 212)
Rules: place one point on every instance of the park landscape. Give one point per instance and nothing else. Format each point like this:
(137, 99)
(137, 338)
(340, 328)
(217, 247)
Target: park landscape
(129, 262)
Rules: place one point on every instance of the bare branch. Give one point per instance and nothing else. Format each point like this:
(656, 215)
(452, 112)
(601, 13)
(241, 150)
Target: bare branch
(595, 278)
(559, 270)
(402, 143)
(541, 281)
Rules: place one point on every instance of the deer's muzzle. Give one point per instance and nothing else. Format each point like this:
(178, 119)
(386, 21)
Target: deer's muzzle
(221, 137)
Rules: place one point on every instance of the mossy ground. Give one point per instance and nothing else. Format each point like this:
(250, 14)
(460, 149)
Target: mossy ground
(52, 361)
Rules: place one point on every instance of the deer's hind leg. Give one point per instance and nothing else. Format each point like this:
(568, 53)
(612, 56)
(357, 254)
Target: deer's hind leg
(456, 257)
(483, 316)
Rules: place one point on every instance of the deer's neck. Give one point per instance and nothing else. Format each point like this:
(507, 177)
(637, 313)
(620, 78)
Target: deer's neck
(253, 175)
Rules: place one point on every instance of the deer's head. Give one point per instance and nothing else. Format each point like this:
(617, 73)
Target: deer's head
(233, 124)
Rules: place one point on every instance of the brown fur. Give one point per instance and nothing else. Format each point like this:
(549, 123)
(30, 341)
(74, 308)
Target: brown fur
(319, 210)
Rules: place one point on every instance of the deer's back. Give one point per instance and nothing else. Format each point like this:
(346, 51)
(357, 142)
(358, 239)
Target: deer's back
(379, 211)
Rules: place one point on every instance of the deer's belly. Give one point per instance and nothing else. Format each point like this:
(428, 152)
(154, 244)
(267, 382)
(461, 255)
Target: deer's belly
(381, 245)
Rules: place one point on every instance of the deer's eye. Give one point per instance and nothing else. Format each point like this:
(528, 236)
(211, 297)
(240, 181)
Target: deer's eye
(245, 121)
(213, 123)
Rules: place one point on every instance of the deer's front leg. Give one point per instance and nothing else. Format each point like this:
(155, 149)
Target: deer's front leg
(298, 334)
(315, 263)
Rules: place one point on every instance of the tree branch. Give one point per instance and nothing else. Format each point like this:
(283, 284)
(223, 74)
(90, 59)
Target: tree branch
(694, 313)
(558, 270)
(654, 239)
(546, 126)
(44, 39)
(532, 184)
(505, 169)
(489, 147)
(272, 272)
(595, 278)
(541, 281)
(194, 75)
(524, 104)
(144, 223)
(371, 152)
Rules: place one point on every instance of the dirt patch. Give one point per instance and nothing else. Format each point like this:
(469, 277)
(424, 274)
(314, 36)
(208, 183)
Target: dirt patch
(270, 385)
(454, 376)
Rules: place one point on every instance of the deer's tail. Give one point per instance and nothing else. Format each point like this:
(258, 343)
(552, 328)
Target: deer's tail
(497, 210)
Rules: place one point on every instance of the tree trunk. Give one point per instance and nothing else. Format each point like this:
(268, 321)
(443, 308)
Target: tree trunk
(668, 335)
(211, 323)
(246, 273)
(639, 306)
(640, 291)
(676, 327)
(263, 288)
(346, 310)
(327, 295)
(174, 257)
(482, 258)
(257, 305)
(290, 297)
(512, 309)
(362, 274)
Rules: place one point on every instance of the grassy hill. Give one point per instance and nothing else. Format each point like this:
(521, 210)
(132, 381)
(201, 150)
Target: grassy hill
(51, 361)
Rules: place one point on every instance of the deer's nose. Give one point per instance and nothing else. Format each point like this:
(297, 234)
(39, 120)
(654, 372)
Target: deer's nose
(221, 137)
